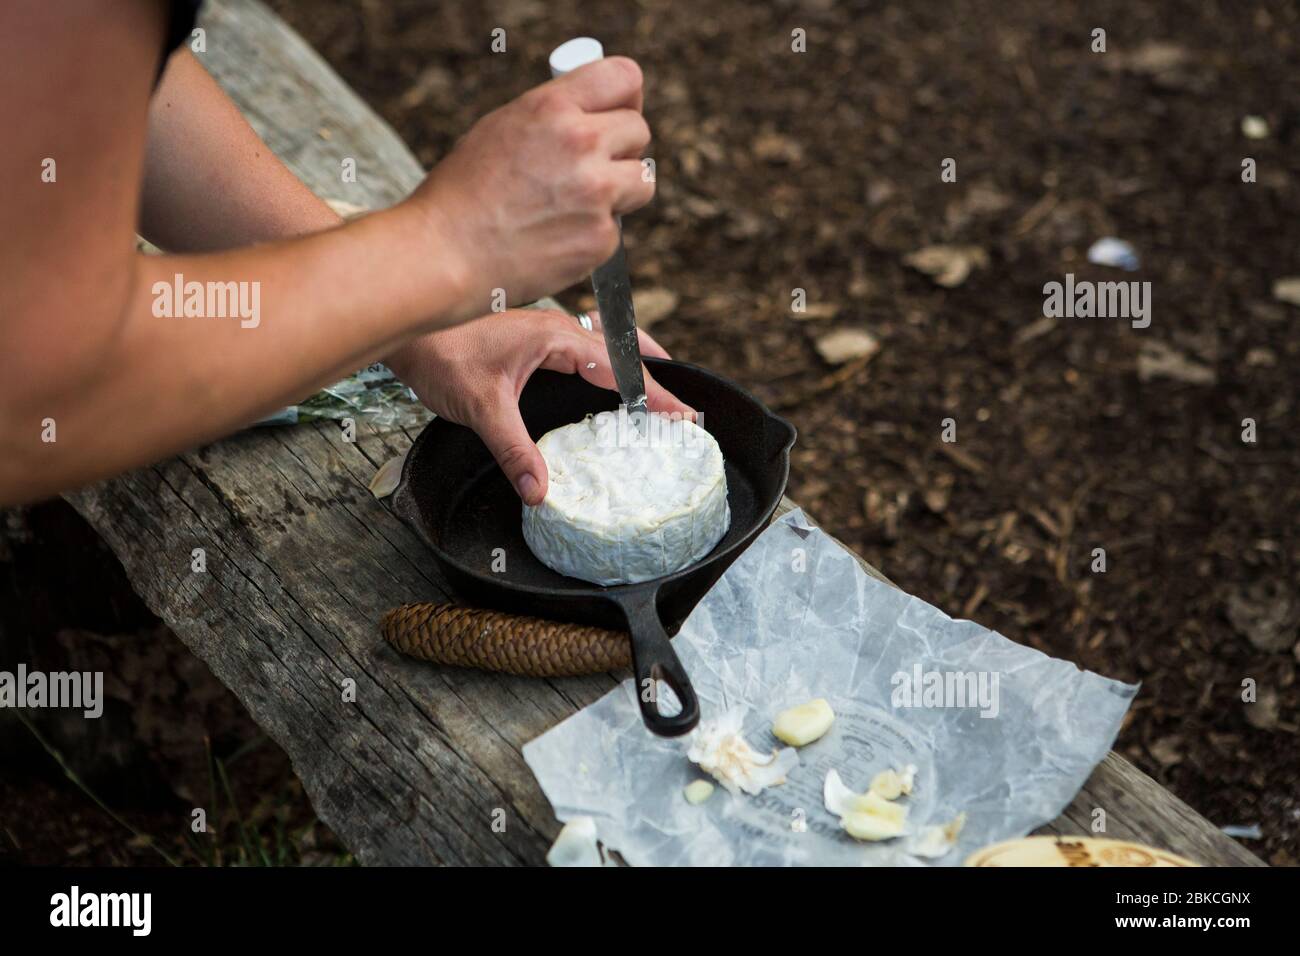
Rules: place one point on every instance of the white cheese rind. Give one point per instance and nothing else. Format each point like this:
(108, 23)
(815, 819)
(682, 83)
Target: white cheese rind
(621, 507)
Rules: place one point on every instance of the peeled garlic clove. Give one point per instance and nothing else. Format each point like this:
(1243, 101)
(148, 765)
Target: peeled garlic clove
(878, 806)
(802, 725)
(842, 801)
(892, 784)
(887, 784)
(869, 826)
(576, 845)
(697, 792)
(866, 816)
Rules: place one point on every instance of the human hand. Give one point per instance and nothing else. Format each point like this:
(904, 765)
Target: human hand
(472, 374)
(526, 202)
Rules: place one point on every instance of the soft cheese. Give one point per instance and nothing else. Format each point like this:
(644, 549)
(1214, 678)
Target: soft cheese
(623, 507)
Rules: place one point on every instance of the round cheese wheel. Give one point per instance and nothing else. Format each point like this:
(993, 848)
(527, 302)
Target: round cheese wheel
(623, 507)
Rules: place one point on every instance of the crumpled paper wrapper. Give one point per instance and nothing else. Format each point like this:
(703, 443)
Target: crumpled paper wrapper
(795, 618)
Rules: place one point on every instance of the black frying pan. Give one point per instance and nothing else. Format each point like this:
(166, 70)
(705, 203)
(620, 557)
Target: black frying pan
(463, 506)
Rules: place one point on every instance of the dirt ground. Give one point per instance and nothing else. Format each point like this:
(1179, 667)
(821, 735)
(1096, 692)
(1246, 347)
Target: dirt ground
(821, 170)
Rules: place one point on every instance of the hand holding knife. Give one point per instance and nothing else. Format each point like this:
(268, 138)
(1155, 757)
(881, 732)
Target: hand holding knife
(610, 281)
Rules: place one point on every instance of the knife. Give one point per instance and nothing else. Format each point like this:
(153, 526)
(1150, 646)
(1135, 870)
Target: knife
(610, 281)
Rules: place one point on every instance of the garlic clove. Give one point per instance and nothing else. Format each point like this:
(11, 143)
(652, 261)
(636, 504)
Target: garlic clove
(869, 826)
(697, 792)
(799, 726)
(866, 816)
(887, 784)
(878, 806)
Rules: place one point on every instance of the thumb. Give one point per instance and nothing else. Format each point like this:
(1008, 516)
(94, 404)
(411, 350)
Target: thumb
(502, 430)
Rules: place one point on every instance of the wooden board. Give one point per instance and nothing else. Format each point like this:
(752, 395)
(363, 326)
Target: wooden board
(302, 561)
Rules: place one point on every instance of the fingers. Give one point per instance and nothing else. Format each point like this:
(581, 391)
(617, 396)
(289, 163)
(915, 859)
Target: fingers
(659, 399)
(503, 431)
(625, 134)
(576, 350)
(649, 347)
(611, 83)
(633, 187)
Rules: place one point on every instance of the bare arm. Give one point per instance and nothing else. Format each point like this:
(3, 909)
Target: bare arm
(210, 183)
(83, 348)
(524, 203)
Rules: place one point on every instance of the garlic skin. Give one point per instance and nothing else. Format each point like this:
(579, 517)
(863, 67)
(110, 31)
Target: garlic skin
(576, 845)
(907, 777)
(800, 726)
(388, 477)
(935, 841)
(719, 750)
(839, 799)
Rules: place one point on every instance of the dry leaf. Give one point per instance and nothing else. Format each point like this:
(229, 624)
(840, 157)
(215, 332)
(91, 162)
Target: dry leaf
(1168, 750)
(653, 305)
(979, 200)
(1263, 713)
(1287, 290)
(776, 148)
(817, 310)
(1265, 614)
(435, 85)
(845, 345)
(1035, 329)
(701, 208)
(1152, 57)
(948, 266)
(743, 224)
(936, 496)
(1157, 360)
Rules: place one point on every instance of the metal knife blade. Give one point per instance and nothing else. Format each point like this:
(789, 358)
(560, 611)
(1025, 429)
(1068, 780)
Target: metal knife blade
(610, 281)
(618, 322)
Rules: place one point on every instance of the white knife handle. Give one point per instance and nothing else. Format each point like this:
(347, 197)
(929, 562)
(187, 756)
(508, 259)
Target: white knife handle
(571, 54)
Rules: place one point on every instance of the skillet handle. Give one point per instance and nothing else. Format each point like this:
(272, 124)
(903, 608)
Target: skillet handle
(653, 659)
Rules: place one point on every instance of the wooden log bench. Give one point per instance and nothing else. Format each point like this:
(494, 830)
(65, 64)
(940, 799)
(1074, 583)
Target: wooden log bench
(302, 561)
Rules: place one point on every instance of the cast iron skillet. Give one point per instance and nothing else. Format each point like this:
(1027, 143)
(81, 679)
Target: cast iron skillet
(462, 505)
